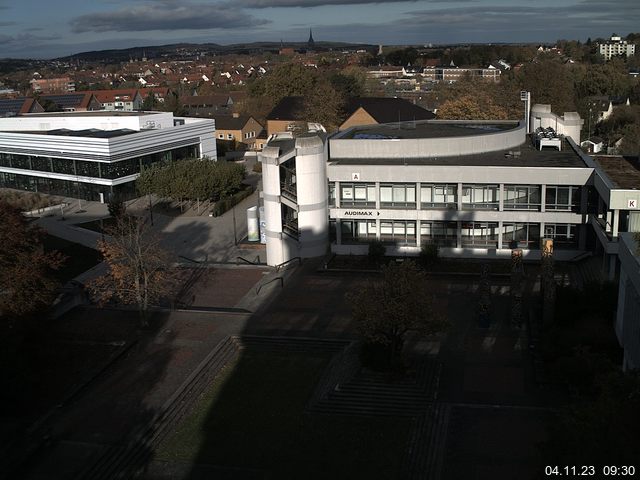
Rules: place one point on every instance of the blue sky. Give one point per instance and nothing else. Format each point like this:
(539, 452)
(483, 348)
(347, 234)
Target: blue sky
(44, 29)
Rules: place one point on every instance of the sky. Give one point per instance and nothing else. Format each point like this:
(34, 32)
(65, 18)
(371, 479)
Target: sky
(52, 28)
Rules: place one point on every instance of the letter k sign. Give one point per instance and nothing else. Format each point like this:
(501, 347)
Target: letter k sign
(632, 204)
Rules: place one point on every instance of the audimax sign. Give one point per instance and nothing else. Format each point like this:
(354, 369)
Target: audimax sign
(361, 213)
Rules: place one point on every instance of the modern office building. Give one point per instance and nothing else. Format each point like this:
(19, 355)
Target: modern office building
(476, 189)
(92, 155)
(628, 314)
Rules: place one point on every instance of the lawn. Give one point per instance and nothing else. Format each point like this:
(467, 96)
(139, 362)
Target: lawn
(79, 258)
(253, 417)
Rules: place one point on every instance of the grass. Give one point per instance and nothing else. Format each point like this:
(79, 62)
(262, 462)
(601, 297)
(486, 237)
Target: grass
(79, 258)
(253, 417)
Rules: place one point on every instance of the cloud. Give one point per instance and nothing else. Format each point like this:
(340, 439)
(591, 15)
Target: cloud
(321, 3)
(26, 40)
(167, 15)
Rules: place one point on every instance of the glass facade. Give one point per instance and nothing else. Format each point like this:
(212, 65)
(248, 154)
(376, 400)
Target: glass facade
(564, 235)
(521, 235)
(521, 197)
(82, 168)
(444, 234)
(356, 231)
(361, 195)
(563, 198)
(399, 232)
(439, 196)
(480, 197)
(479, 234)
(398, 195)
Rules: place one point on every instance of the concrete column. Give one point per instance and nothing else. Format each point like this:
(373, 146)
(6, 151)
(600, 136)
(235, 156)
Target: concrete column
(543, 198)
(418, 240)
(501, 197)
(377, 229)
(337, 190)
(459, 232)
(584, 200)
(609, 221)
(338, 232)
(459, 196)
(582, 237)
(378, 197)
(499, 235)
(418, 196)
(616, 223)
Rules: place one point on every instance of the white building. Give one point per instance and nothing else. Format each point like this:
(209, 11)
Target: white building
(616, 46)
(92, 155)
(474, 188)
(628, 314)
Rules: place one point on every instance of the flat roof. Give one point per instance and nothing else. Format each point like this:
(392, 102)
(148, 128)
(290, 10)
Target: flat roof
(408, 129)
(528, 156)
(92, 113)
(623, 171)
(90, 132)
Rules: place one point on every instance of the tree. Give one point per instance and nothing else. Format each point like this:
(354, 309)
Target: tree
(138, 272)
(387, 310)
(26, 280)
(324, 105)
(116, 206)
(550, 82)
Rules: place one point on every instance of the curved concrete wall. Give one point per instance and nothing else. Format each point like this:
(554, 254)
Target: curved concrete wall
(429, 147)
(313, 214)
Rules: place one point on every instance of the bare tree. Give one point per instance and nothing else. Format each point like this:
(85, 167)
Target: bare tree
(386, 310)
(139, 269)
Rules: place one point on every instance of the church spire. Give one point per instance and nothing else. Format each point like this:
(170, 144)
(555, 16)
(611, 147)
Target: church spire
(310, 42)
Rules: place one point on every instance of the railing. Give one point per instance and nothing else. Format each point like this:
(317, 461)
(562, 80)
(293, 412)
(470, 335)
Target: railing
(290, 229)
(256, 261)
(287, 262)
(259, 287)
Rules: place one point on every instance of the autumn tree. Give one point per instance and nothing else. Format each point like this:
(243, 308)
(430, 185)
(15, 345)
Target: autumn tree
(26, 281)
(139, 270)
(550, 82)
(388, 309)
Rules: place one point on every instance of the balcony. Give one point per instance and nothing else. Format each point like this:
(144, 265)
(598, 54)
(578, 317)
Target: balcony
(606, 238)
(290, 227)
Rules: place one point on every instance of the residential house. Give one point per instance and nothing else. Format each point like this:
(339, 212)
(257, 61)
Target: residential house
(72, 102)
(11, 107)
(237, 128)
(377, 110)
(125, 100)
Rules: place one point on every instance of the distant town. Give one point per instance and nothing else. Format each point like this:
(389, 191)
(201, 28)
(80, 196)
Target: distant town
(321, 260)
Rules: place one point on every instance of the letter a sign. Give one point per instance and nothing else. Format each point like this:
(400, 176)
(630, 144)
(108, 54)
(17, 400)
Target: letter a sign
(632, 203)
(355, 177)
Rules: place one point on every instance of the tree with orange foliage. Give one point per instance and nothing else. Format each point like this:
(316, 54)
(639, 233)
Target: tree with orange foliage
(139, 268)
(26, 281)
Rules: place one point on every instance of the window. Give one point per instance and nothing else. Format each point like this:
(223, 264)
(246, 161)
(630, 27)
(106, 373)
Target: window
(358, 195)
(439, 196)
(521, 235)
(63, 165)
(444, 234)
(479, 234)
(357, 231)
(229, 136)
(42, 164)
(563, 198)
(221, 136)
(481, 197)
(398, 195)
(398, 232)
(332, 194)
(563, 234)
(521, 197)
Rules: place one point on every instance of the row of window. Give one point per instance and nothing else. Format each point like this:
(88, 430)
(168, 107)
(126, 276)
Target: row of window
(84, 168)
(472, 234)
(445, 196)
(66, 188)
